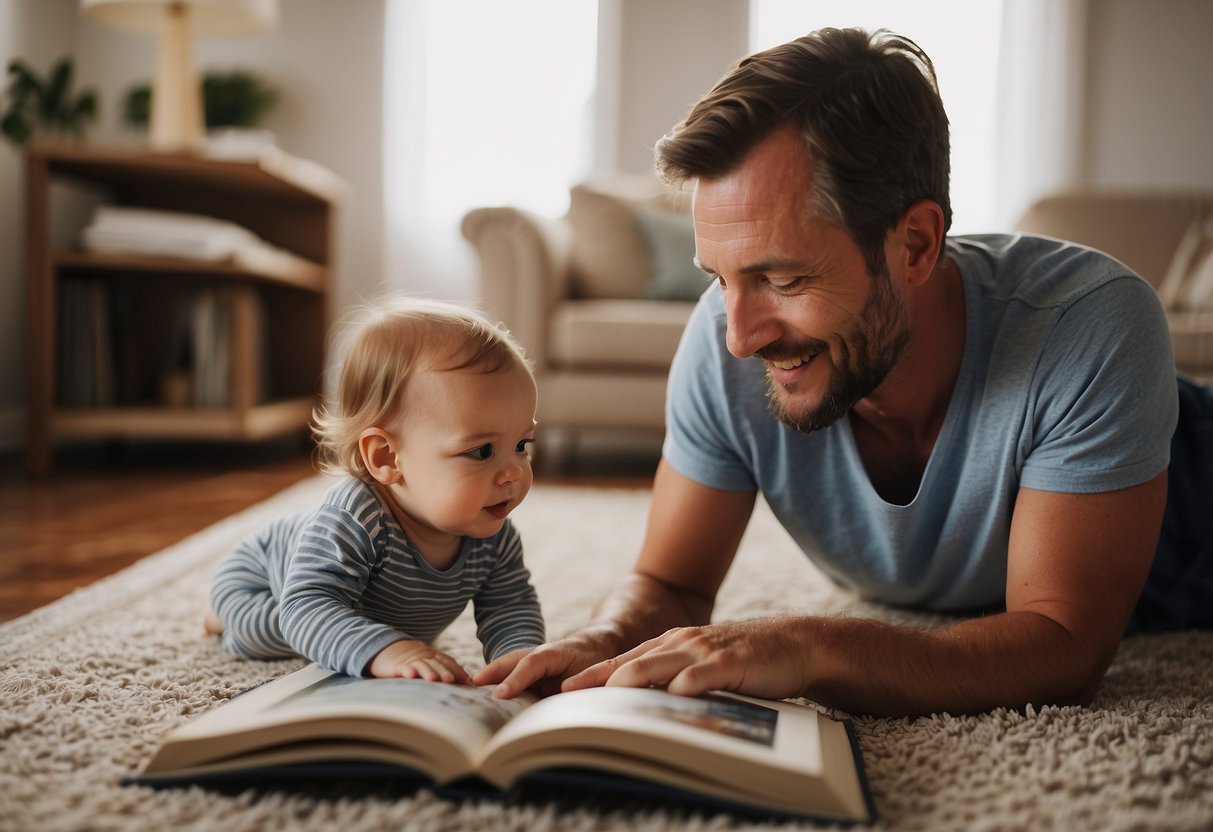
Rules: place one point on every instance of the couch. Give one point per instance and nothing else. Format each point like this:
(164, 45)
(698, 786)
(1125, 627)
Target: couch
(599, 296)
(1166, 236)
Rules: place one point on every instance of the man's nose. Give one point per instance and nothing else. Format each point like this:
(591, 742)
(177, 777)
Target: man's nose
(749, 326)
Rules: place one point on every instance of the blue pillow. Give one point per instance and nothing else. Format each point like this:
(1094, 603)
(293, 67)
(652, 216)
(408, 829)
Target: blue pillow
(670, 239)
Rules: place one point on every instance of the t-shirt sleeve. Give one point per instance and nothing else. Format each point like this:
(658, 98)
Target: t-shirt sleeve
(703, 436)
(1106, 399)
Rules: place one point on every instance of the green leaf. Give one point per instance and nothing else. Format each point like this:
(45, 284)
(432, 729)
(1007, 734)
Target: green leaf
(17, 127)
(34, 105)
(54, 102)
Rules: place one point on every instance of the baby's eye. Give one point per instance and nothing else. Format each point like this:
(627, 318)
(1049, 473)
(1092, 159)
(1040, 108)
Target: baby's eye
(523, 447)
(483, 452)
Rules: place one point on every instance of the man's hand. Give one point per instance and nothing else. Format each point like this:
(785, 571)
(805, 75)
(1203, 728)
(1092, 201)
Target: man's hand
(762, 657)
(544, 667)
(412, 659)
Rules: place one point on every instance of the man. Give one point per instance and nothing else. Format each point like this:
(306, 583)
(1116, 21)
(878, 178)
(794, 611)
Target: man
(970, 425)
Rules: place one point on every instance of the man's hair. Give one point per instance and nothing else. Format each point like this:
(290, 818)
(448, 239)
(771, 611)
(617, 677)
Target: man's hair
(868, 107)
(382, 347)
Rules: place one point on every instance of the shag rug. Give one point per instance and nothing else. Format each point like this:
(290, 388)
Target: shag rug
(89, 685)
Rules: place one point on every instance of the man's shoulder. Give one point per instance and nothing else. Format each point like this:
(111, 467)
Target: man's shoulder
(1040, 272)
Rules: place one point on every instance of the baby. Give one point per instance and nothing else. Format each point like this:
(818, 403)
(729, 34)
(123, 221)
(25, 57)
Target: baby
(434, 414)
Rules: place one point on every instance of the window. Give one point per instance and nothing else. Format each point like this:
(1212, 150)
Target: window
(488, 102)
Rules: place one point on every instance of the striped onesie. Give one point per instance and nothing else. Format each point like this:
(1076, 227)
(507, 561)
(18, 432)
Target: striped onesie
(340, 583)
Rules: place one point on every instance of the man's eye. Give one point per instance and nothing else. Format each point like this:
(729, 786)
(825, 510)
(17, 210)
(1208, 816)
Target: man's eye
(483, 452)
(786, 285)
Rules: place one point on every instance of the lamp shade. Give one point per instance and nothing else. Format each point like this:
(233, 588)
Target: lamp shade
(176, 122)
(207, 17)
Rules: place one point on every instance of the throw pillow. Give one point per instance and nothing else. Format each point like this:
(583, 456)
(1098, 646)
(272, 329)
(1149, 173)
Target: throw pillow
(670, 239)
(607, 258)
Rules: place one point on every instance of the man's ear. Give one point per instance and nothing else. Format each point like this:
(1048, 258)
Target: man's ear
(918, 241)
(378, 452)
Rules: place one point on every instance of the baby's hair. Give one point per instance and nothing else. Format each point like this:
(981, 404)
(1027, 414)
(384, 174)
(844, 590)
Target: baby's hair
(381, 347)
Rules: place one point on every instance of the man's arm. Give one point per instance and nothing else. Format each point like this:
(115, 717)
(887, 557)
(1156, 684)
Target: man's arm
(1076, 566)
(692, 535)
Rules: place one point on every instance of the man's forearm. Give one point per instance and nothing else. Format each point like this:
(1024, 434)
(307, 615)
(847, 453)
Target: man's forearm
(1007, 660)
(642, 607)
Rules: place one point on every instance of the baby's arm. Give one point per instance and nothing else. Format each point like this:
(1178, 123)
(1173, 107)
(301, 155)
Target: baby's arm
(322, 592)
(414, 659)
(509, 621)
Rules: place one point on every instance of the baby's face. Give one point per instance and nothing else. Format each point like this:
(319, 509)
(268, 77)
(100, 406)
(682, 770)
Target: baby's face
(463, 450)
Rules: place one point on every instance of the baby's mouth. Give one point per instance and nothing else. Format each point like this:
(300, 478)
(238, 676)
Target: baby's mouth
(499, 510)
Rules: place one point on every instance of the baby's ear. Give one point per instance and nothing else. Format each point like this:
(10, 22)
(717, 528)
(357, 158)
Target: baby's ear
(379, 456)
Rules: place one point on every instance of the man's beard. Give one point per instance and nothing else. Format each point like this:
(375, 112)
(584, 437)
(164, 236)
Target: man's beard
(866, 355)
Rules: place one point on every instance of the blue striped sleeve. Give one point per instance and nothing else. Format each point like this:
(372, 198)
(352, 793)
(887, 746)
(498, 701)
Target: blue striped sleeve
(507, 610)
(329, 570)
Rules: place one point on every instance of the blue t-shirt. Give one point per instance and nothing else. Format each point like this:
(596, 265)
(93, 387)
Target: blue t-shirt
(1066, 384)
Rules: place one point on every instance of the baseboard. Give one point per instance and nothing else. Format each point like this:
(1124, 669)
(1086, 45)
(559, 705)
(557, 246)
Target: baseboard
(12, 429)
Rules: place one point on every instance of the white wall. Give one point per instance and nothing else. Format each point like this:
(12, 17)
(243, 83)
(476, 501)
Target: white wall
(1148, 121)
(668, 54)
(38, 38)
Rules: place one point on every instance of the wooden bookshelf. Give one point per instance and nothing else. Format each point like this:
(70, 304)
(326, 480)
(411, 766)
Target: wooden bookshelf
(102, 370)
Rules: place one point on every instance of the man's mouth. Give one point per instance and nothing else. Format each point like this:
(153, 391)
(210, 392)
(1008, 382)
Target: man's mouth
(791, 363)
(786, 368)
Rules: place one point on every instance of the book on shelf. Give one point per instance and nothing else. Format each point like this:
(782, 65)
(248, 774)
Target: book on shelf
(210, 328)
(720, 751)
(86, 355)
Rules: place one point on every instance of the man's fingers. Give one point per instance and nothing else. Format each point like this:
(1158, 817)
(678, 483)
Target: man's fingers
(496, 670)
(536, 665)
(655, 668)
(594, 676)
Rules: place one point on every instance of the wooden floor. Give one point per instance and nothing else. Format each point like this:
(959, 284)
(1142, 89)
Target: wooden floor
(104, 507)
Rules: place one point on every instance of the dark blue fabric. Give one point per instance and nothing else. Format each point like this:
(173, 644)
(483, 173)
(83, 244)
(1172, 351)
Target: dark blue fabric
(1179, 591)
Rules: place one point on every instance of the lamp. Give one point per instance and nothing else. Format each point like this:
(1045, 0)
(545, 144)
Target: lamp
(176, 119)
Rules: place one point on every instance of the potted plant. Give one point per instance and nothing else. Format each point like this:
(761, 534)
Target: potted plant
(229, 99)
(36, 105)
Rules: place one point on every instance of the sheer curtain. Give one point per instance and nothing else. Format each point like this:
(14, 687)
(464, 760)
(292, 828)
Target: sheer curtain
(1041, 83)
(488, 102)
(1011, 73)
(963, 42)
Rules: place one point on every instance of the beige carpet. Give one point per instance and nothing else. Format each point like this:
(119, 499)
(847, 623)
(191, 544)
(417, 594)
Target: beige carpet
(89, 684)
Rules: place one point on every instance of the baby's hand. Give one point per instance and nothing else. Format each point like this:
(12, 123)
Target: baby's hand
(412, 659)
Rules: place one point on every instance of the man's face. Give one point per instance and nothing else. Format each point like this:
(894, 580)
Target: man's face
(797, 292)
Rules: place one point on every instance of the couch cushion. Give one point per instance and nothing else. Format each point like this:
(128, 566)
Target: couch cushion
(620, 334)
(608, 257)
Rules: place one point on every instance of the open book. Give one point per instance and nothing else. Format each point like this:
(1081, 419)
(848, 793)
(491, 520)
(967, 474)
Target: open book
(721, 750)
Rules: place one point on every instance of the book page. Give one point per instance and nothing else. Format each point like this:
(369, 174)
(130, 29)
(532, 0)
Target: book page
(758, 752)
(313, 702)
(731, 725)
